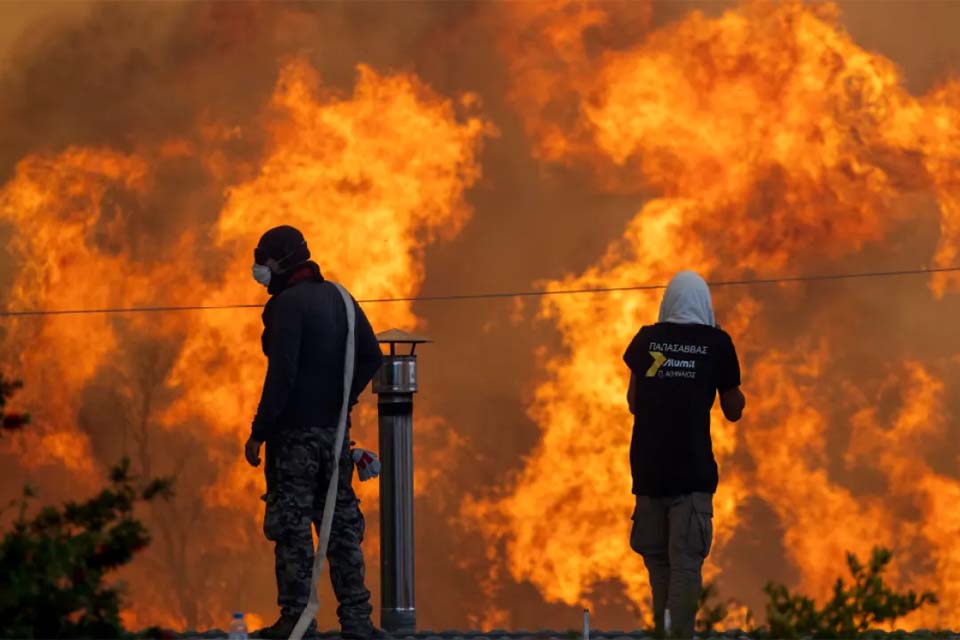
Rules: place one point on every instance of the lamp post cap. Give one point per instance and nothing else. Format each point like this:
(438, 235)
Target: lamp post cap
(396, 336)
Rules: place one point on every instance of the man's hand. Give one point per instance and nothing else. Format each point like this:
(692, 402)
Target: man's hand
(733, 403)
(252, 451)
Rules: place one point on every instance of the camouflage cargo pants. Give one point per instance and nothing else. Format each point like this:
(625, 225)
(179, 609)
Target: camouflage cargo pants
(298, 464)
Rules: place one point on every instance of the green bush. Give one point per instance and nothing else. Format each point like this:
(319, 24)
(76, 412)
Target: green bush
(852, 610)
(53, 564)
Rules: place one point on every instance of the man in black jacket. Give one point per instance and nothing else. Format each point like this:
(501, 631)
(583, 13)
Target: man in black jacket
(304, 337)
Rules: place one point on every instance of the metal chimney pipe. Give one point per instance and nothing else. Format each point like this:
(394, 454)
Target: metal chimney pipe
(395, 384)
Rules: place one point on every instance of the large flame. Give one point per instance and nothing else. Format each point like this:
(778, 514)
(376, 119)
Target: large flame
(758, 142)
(778, 146)
(352, 172)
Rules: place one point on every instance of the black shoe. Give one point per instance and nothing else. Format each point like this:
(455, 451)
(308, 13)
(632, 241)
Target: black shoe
(283, 627)
(361, 631)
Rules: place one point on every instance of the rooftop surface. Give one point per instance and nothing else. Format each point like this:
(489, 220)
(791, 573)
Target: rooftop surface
(595, 634)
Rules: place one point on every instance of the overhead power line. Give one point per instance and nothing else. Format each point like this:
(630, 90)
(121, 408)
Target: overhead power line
(497, 294)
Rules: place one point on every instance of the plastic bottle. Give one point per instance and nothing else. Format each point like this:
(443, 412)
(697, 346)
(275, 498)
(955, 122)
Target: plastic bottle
(238, 628)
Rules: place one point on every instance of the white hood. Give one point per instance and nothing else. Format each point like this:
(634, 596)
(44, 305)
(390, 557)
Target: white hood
(687, 301)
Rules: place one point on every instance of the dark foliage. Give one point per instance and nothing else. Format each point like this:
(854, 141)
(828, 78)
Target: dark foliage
(709, 615)
(53, 564)
(854, 609)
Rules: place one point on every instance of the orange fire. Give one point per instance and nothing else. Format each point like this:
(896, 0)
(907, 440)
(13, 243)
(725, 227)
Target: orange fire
(352, 172)
(763, 141)
(777, 145)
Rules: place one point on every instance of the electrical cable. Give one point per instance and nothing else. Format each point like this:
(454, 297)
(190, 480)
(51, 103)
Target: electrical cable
(497, 294)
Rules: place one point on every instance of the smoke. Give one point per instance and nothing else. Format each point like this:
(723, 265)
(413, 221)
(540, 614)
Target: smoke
(187, 89)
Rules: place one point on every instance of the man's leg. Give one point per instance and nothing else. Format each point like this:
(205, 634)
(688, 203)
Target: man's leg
(691, 535)
(347, 567)
(649, 538)
(293, 465)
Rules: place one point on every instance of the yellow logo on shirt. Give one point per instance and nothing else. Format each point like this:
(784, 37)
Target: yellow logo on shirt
(658, 360)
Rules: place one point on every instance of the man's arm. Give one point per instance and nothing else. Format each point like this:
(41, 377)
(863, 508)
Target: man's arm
(632, 394)
(282, 364)
(368, 354)
(732, 402)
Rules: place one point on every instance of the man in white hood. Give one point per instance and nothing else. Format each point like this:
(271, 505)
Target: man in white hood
(677, 367)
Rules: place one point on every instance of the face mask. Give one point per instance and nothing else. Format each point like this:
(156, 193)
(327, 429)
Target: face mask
(261, 274)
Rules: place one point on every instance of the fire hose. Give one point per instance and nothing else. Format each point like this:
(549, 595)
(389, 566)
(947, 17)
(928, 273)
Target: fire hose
(326, 522)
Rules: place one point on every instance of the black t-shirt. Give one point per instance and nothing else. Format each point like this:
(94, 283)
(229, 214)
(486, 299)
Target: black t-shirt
(678, 370)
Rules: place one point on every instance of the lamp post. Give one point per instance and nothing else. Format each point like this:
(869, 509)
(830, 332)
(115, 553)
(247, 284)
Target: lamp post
(395, 384)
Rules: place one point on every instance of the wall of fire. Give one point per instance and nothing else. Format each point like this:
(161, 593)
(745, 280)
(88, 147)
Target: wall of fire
(449, 148)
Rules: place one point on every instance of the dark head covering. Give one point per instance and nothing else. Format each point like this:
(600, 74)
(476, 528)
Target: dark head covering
(285, 251)
(282, 249)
